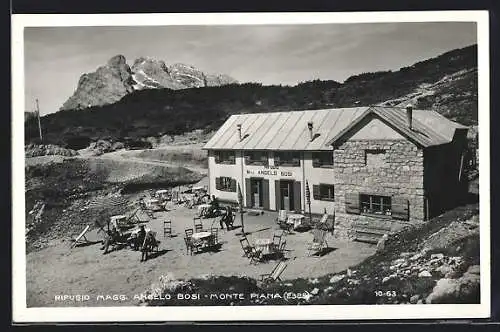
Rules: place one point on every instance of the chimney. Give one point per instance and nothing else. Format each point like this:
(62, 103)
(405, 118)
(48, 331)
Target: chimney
(239, 130)
(310, 127)
(409, 115)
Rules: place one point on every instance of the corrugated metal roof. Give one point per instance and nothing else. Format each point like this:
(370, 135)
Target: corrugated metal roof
(288, 130)
(283, 130)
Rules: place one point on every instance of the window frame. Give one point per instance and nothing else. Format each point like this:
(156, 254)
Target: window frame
(323, 198)
(225, 161)
(225, 180)
(321, 161)
(371, 200)
(250, 159)
(279, 161)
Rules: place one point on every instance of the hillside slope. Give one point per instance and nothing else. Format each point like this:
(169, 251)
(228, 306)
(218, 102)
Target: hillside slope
(447, 84)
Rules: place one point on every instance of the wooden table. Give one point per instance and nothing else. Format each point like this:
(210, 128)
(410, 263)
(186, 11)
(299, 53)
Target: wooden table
(202, 239)
(295, 219)
(265, 246)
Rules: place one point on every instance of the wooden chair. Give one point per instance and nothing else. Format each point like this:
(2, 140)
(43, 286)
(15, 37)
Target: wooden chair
(277, 240)
(167, 228)
(275, 273)
(198, 224)
(249, 250)
(198, 228)
(189, 232)
(215, 235)
(282, 249)
(189, 245)
(319, 241)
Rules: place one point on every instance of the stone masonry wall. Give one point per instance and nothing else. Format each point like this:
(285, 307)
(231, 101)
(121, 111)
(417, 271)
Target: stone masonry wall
(400, 173)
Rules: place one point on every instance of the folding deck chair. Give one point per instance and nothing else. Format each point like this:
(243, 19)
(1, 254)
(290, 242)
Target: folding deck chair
(275, 273)
(81, 238)
(319, 241)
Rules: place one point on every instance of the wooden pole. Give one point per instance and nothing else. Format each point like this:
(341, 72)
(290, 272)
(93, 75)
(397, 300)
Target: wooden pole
(39, 124)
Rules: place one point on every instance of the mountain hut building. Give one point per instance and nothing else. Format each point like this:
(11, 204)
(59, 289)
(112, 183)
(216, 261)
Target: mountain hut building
(365, 164)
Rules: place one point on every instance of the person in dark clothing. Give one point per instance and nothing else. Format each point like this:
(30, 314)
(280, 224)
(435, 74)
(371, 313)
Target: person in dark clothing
(149, 243)
(140, 238)
(215, 202)
(214, 206)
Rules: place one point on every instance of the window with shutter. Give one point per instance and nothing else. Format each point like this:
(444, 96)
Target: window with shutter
(225, 183)
(233, 185)
(375, 204)
(352, 203)
(316, 191)
(400, 208)
(326, 192)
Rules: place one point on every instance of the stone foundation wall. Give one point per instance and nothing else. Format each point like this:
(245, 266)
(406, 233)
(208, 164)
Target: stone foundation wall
(398, 173)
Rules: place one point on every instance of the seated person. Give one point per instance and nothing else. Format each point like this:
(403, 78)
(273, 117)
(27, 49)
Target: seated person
(112, 236)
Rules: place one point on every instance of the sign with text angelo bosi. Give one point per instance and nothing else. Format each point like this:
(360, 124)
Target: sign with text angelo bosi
(269, 171)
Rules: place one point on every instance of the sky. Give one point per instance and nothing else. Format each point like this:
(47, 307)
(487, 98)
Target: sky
(56, 57)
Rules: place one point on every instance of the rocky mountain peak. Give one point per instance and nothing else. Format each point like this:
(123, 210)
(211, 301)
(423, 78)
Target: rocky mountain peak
(117, 61)
(111, 82)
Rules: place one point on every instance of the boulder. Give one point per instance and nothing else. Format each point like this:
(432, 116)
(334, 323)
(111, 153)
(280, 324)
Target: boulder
(474, 269)
(444, 287)
(424, 274)
(336, 278)
(444, 269)
(414, 299)
(437, 256)
(416, 257)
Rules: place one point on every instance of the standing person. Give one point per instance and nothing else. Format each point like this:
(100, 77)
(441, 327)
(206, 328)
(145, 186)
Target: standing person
(149, 242)
(214, 205)
(140, 237)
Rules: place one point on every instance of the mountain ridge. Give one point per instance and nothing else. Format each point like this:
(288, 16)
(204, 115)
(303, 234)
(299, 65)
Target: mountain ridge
(446, 83)
(116, 79)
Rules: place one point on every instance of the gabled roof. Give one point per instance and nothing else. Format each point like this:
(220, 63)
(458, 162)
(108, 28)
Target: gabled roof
(429, 128)
(289, 131)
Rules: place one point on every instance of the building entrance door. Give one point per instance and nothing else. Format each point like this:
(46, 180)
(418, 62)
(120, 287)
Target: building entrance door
(256, 192)
(286, 195)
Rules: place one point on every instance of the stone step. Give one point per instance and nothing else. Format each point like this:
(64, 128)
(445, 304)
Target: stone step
(367, 239)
